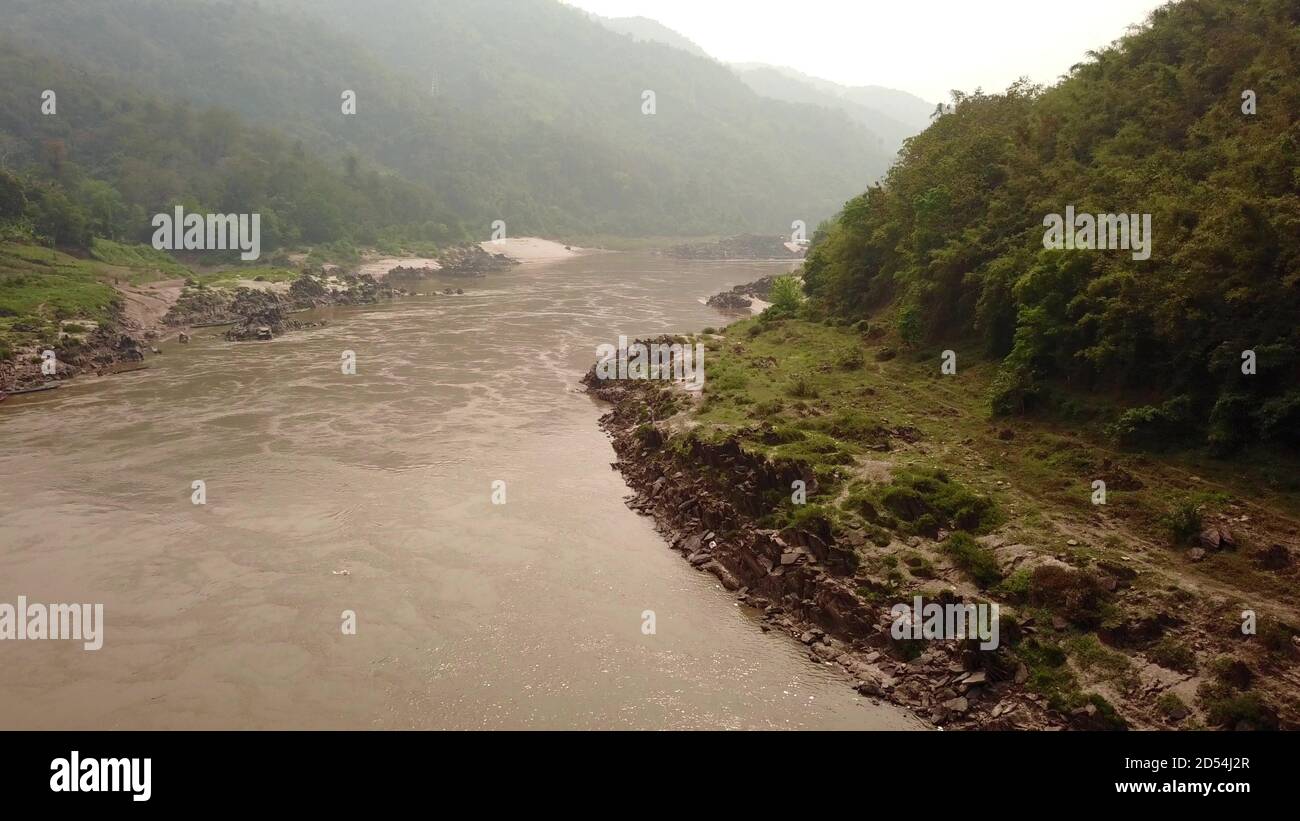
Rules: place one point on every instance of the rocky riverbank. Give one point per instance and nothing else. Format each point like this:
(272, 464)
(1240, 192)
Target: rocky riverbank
(147, 315)
(265, 314)
(706, 501)
(1168, 603)
(742, 297)
(107, 348)
(130, 336)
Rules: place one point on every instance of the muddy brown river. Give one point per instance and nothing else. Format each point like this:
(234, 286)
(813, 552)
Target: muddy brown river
(373, 493)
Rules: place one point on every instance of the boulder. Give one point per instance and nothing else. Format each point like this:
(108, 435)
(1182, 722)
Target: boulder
(1217, 537)
(957, 705)
(729, 301)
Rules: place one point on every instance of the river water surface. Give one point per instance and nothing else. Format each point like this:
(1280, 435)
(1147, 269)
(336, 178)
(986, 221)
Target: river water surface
(469, 614)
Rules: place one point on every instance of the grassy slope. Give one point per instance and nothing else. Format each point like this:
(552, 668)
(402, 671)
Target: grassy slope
(40, 286)
(230, 277)
(831, 396)
(42, 289)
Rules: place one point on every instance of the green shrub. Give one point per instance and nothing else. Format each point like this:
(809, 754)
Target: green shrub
(1279, 419)
(974, 559)
(909, 325)
(1048, 672)
(1107, 718)
(1183, 522)
(1014, 390)
(786, 297)
(905, 503)
(1230, 709)
(1092, 656)
(783, 435)
(815, 519)
(1169, 652)
(802, 388)
(1172, 707)
(926, 525)
(1154, 428)
(1015, 588)
(1276, 637)
(1231, 423)
(915, 493)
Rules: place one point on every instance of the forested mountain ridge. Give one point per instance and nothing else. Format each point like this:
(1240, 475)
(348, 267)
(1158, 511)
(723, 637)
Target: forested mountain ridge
(107, 159)
(525, 111)
(951, 244)
(645, 29)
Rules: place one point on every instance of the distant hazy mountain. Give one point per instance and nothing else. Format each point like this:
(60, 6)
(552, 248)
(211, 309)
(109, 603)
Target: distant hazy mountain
(891, 115)
(779, 84)
(908, 109)
(651, 31)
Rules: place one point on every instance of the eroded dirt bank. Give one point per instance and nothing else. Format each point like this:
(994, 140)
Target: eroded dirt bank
(136, 324)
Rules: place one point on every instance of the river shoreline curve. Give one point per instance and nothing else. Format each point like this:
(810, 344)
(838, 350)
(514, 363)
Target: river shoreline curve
(799, 582)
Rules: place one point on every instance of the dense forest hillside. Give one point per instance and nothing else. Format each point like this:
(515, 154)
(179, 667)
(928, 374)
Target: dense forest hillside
(107, 159)
(527, 111)
(951, 244)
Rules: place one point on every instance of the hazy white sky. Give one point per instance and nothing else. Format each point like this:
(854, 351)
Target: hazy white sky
(926, 47)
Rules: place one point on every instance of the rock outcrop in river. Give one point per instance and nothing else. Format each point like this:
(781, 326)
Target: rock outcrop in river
(472, 261)
(741, 297)
(261, 315)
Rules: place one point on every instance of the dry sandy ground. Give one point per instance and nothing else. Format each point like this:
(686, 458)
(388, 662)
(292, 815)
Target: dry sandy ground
(144, 306)
(379, 268)
(532, 249)
(525, 249)
(277, 287)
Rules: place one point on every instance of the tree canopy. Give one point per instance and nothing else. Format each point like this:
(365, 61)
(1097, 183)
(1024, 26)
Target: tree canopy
(1158, 123)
